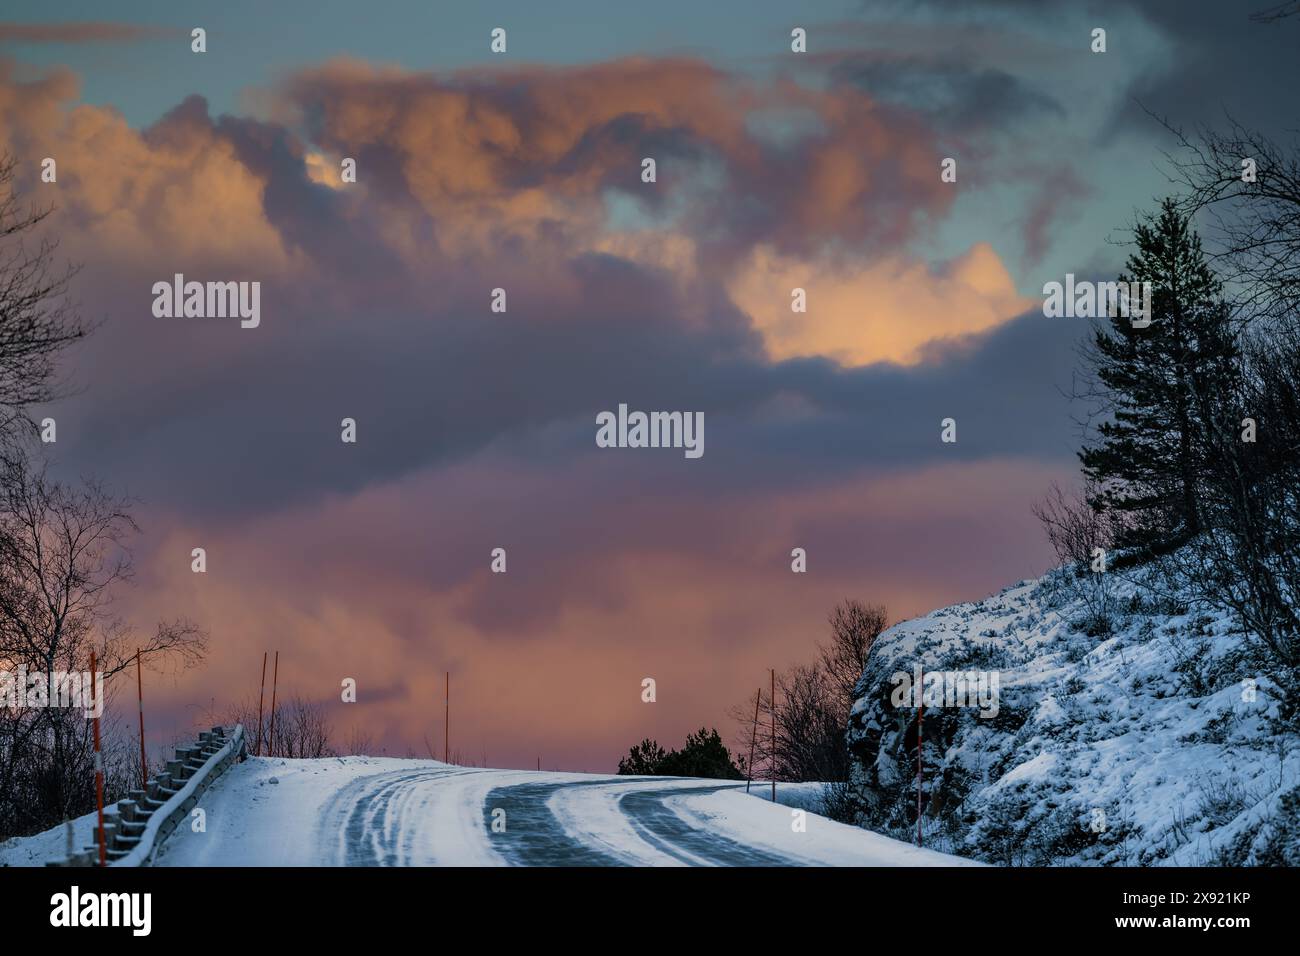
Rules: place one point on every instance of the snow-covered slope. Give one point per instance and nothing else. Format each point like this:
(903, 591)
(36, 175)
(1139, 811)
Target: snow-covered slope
(1129, 731)
(367, 811)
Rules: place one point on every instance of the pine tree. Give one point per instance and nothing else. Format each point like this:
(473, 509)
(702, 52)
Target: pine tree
(642, 760)
(705, 755)
(1159, 387)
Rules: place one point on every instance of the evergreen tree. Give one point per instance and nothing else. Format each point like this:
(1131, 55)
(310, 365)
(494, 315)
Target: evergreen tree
(1159, 387)
(643, 760)
(705, 755)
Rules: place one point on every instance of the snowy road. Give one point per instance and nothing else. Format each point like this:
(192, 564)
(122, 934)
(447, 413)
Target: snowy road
(366, 811)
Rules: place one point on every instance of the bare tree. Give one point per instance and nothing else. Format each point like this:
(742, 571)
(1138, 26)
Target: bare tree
(37, 319)
(1081, 533)
(1247, 187)
(811, 720)
(307, 730)
(302, 728)
(1249, 561)
(800, 735)
(854, 627)
(1076, 527)
(359, 742)
(62, 552)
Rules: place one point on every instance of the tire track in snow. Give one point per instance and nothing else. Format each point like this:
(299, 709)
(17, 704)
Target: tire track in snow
(536, 836)
(369, 821)
(661, 826)
(533, 835)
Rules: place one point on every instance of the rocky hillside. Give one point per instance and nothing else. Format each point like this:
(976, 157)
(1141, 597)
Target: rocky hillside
(1129, 729)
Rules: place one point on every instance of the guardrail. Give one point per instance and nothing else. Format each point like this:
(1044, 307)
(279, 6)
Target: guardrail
(136, 827)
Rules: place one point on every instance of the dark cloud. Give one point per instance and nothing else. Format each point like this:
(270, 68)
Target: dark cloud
(1223, 63)
(964, 97)
(437, 387)
(1222, 59)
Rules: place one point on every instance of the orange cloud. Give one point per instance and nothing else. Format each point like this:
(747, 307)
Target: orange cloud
(883, 311)
(178, 192)
(531, 154)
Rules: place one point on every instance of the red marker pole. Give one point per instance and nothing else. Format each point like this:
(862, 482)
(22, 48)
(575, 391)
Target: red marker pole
(99, 767)
(774, 735)
(275, 681)
(920, 717)
(139, 688)
(261, 697)
(446, 724)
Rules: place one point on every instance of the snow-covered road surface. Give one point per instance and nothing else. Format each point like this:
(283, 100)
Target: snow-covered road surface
(369, 811)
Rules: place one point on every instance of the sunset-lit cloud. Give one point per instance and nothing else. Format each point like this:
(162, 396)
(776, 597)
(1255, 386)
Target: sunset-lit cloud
(475, 428)
(884, 311)
(178, 189)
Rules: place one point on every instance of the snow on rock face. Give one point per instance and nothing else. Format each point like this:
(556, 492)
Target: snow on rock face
(1151, 739)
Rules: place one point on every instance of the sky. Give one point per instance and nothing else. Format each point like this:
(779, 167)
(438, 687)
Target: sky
(475, 429)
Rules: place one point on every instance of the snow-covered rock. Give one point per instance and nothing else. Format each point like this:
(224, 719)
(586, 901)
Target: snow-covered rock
(1151, 739)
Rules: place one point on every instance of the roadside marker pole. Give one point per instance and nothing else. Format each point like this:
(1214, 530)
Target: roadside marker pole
(753, 740)
(261, 697)
(774, 735)
(139, 688)
(446, 724)
(99, 766)
(920, 726)
(275, 682)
